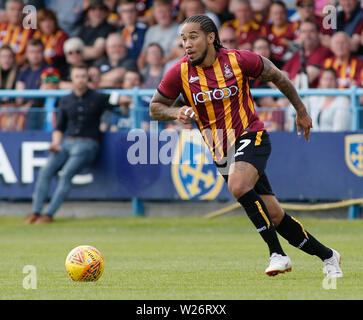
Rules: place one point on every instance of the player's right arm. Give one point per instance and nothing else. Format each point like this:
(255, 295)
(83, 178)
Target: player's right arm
(163, 109)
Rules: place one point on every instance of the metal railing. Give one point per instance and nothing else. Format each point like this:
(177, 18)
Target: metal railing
(137, 93)
(135, 112)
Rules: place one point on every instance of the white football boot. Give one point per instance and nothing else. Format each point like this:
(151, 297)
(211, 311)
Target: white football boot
(278, 264)
(332, 265)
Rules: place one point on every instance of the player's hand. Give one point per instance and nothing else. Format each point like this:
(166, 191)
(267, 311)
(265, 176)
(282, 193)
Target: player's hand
(303, 122)
(54, 147)
(186, 114)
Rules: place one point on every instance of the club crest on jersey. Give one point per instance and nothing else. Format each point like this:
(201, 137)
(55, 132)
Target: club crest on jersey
(227, 71)
(193, 171)
(354, 153)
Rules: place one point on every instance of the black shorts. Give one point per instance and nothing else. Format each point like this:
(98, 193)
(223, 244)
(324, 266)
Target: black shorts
(254, 148)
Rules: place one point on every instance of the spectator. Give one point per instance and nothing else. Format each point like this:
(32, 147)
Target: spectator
(69, 15)
(267, 106)
(310, 58)
(79, 113)
(131, 79)
(350, 21)
(244, 25)
(330, 113)
(8, 69)
(132, 31)
(117, 62)
(192, 7)
(346, 65)
(10, 120)
(94, 80)
(153, 72)
(49, 78)
(280, 33)
(178, 53)
(95, 31)
(12, 31)
(227, 35)
(52, 37)
(73, 49)
(29, 78)
(164, 32)
(306, 11)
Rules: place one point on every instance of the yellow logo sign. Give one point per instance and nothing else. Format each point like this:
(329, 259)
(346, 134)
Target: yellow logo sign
(194, 173)
(354, 153)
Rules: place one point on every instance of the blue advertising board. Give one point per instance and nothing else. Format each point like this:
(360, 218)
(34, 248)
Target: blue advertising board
(160, 166)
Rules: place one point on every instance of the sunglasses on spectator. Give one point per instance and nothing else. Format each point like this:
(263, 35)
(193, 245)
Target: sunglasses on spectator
(75, 51)
(49, 79)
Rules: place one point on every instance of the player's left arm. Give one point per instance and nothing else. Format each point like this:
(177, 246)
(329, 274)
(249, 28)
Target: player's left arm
(272, 73)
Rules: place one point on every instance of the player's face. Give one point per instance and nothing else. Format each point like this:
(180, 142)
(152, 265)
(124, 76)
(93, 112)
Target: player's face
(195, 43)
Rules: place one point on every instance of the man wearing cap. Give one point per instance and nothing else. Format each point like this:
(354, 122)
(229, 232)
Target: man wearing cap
(95, 31)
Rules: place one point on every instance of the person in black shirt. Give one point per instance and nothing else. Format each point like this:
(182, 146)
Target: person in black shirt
(95, 31)
(79, 113)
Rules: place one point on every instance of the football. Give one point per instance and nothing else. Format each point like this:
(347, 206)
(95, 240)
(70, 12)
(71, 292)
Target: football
(85, 263)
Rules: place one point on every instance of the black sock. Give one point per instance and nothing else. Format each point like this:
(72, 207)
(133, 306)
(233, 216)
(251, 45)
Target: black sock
(293, 231)
(258, 214)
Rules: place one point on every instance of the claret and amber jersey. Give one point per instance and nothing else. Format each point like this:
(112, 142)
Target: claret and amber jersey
(219, 95)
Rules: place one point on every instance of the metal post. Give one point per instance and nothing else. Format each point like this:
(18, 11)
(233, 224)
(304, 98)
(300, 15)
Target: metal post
(137, 204)
(49, 109)
(354, 212)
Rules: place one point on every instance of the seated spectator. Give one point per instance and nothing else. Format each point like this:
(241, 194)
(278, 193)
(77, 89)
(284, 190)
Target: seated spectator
(10, 119)
(280, 33)
(350, 21)
(178, 52)
(311, 57)
(117, 62)
(330, 113)
(73, 50)
(8, 70)
(131, 79)
(267, 106)
(95, 31)
(246, 28)
(52, 37)
(132, 31)
(190, 8)
(164, 32)
(94, 80)
(29, 78)
(69, 15)
(49, 78)
(153, 72)
(306, 11)
(228, 37)
(262, 47)
(347, 66)
(12, 31)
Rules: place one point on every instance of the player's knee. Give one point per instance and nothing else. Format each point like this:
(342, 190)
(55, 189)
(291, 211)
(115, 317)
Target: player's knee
(238, 188)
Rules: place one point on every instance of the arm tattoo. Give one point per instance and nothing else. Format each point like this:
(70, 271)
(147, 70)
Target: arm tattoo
(272, 73)
(161, 108)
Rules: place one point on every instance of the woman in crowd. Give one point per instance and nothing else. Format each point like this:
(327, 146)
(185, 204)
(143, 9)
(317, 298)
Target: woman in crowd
(330, 113)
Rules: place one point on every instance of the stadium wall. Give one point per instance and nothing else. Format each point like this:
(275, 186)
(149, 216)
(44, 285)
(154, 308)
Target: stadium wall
(329, 167)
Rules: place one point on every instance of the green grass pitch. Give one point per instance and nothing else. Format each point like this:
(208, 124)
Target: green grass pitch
(174, 258)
